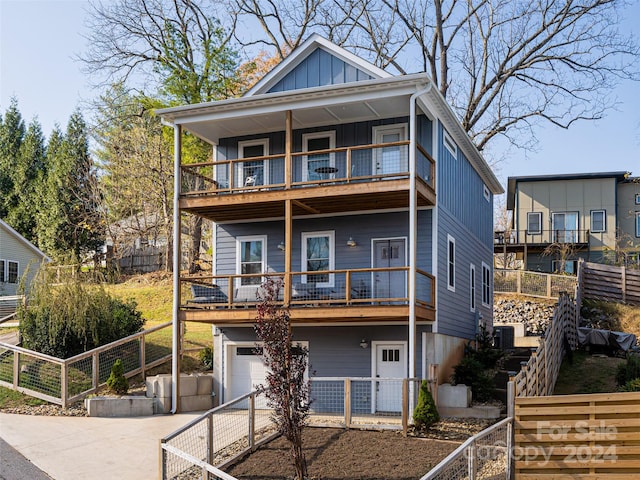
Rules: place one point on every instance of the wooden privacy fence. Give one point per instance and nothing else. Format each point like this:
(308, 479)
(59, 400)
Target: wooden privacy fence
(587, 437)
(609, 283)
(538, 376)
(533, 284)
(64, 381)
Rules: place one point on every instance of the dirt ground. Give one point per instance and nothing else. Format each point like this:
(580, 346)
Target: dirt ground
(339, 454)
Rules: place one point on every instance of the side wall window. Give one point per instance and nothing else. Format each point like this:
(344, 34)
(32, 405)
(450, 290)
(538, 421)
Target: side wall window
(598, 221)
(12, 272)
(534, 223)
(486, 284)
(251, 259)
(472, 289)
(318, 255)
(3, 273)
(451, 263)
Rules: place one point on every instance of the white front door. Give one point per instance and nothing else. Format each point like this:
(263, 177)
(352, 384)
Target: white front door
(390, 362)
(389, 253)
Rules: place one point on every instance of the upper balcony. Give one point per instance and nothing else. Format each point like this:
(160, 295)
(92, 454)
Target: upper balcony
(354, 178)
(543, 238)
(343, 296)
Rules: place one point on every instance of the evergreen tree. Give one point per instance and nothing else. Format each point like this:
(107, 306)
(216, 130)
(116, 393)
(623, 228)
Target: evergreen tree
(70, 212)
(12, 132)
(27, 174)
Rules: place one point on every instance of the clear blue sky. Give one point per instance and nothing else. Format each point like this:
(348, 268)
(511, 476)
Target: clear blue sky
(38, 40)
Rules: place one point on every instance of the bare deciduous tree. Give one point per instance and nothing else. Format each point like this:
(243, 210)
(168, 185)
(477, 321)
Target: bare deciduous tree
(503, 65)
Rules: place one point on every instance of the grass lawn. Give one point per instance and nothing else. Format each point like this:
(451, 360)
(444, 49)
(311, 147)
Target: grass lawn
(587, 374)
(11, 399)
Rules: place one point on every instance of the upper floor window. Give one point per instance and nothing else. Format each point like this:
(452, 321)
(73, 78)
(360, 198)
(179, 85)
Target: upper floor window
(534, 223)
(565, 227)
(322, 165)
(472, 289)
(8, 271)
(451, 263)
(598, 221)
(637, 224)
(394, 158)
(450, 145)
(486, 284)
(255, 172)
(486, 193)
(318, 256)
(637, 198)
(251, 259)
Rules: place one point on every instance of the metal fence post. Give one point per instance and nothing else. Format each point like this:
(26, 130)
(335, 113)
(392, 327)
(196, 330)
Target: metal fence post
(252, 421)
(210, 439)
(347, 402)
(405, 406)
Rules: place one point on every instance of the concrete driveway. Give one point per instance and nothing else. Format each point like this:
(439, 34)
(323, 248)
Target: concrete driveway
(72, 448)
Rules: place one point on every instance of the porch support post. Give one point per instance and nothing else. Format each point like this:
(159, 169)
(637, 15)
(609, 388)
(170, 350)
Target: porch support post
(175, 359)
(288, 142)
(288, 239)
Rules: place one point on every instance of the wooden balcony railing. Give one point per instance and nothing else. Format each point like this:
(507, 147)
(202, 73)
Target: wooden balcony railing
(344, 165)
(526, 237)
(370, 286)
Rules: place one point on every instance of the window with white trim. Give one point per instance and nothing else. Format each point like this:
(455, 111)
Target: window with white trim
(534, 223)
(255, 172)
(318, 256)
(451, 263)
(472, 288)
(486, 284)
(12, 272)
(320, 166)
(251, 259)
(3, 273)
(449, 144)
(637, 224)
(637, 198)
(598, 221)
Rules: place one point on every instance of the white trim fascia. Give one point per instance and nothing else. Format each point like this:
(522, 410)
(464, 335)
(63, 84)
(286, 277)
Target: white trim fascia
(298, 55)
(280, 101)
(23, 240)
(435, 239)
(333, 324)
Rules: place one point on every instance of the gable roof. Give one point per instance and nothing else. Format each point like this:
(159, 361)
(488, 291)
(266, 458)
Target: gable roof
(302, 52)
(23, 240)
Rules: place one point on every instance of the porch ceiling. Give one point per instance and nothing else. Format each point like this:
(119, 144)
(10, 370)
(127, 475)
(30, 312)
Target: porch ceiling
(303, 117)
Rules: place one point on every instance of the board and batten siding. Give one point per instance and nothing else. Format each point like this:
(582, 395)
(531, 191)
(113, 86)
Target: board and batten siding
(362, 228)
(318, 69)
(335, 351)
(15, 250)
(465, 214)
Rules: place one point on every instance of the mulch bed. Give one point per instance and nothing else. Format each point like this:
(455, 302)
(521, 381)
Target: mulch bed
(339, 454)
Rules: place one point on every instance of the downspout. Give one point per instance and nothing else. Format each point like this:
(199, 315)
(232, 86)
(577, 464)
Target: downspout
(175, 359)
(413, 234)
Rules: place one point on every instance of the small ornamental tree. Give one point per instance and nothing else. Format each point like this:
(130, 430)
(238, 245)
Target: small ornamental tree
(286, 389)
(117, 382)
(425, 414)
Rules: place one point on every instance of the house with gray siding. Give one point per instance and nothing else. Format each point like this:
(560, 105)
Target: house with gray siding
(361, 193)
(559, 219)
(17, 256)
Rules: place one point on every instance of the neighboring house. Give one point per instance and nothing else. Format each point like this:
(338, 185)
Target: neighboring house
(558, 219)
(361, 191)
(17, 256)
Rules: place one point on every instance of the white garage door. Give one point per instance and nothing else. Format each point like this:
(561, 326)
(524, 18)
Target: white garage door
(245, 371)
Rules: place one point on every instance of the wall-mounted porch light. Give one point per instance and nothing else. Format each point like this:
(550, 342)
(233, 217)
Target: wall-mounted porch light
(281, 246)
(351, 242)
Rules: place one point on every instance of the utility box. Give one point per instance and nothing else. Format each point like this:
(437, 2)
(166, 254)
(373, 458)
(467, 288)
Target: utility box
(504, 337)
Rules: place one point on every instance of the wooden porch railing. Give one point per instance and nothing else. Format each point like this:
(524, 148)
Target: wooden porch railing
(330, 287)
(335, 166)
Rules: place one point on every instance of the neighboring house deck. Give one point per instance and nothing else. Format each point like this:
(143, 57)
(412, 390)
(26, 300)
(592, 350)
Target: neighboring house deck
(363, 195)
(557, 219)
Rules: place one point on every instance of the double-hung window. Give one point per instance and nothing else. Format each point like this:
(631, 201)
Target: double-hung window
(534, 223)
(451, 263)
(486, 284)
(3, 272)
(251, 259)
(8, 271)
(318, 256)
(598, 221)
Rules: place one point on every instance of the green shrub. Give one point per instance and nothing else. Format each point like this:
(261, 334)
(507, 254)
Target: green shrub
(66, 319)
(117, 382)
(206, 357)
(425, 414)
(630, 370)
(472, 373)
(632, 386)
